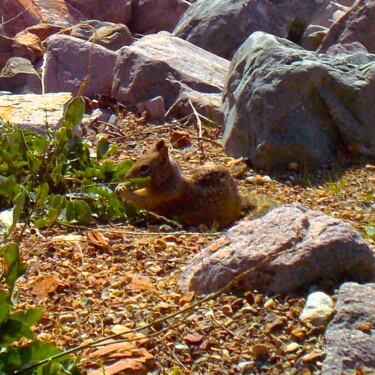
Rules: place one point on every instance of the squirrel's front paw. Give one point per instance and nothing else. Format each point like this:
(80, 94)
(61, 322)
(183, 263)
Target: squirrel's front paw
(123, 191)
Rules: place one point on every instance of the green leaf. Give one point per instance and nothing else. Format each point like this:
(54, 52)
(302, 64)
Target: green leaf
(14, 330)
(28, 317)
(370, 231)
(122, 169)
(13, 267)
(20, 358)
(19, 203)
(102, 147)
(74, 113)
(79, 212)
(5, 307)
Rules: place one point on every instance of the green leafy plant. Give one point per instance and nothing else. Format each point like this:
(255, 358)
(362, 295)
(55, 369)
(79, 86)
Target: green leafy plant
(57, 177)
(15, 326)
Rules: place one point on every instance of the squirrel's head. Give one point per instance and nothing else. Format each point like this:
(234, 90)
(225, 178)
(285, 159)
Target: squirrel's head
(154, 164)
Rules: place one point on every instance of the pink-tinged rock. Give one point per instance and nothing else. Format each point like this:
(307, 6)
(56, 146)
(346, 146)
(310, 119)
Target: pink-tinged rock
(31, 41)
(167, 66)
(9, 47)
(67, 65)
(308, 245)
(104, 10)
(151, 16)
(154, 107)
(357, 25)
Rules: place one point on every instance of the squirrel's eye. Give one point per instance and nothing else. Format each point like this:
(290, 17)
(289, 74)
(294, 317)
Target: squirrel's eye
(144, 169)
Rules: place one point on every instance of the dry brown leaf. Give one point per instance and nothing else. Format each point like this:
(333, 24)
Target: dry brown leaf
(43, 285)
(193, 338)
(140, 283)
(96, 239)
(186, 298)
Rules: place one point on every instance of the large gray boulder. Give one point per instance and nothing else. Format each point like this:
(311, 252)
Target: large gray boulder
(221, 26)
(357, 25)
(68, 62)
(284, 104)
(19, 77)
(163, 65)
(317, 247)
(350, 340)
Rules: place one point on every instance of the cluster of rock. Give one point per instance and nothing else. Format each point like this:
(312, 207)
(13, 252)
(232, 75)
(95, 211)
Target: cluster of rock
(291, 81)
(290, 249)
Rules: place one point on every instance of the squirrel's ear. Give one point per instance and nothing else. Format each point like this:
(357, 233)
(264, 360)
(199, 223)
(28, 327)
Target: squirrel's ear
(162, 149)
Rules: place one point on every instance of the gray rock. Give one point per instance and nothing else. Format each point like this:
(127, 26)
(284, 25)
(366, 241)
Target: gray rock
(350, 339)
(283, 104)
(163, 65)
(151, 16)
(221, 26)
(67, 65)
(85, 30)
(357, 25)
(321, 247)
(19, 77)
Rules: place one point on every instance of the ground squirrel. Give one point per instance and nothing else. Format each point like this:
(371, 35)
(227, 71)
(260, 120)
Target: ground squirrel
(209, 196)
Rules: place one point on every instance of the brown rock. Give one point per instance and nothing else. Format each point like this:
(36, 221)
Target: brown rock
(31, 41)
(318, 247)
(44, 30)
(12, 48)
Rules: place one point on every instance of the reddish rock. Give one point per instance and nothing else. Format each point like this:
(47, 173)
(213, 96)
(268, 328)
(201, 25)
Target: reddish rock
(11, 48)
(318, 247)
(31, 41)
(16, 15)
(44, 30)
(67, 65)
(357, 25)
(151, 16)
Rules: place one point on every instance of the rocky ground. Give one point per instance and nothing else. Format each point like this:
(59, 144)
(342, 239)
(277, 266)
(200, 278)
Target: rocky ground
(92, 282)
